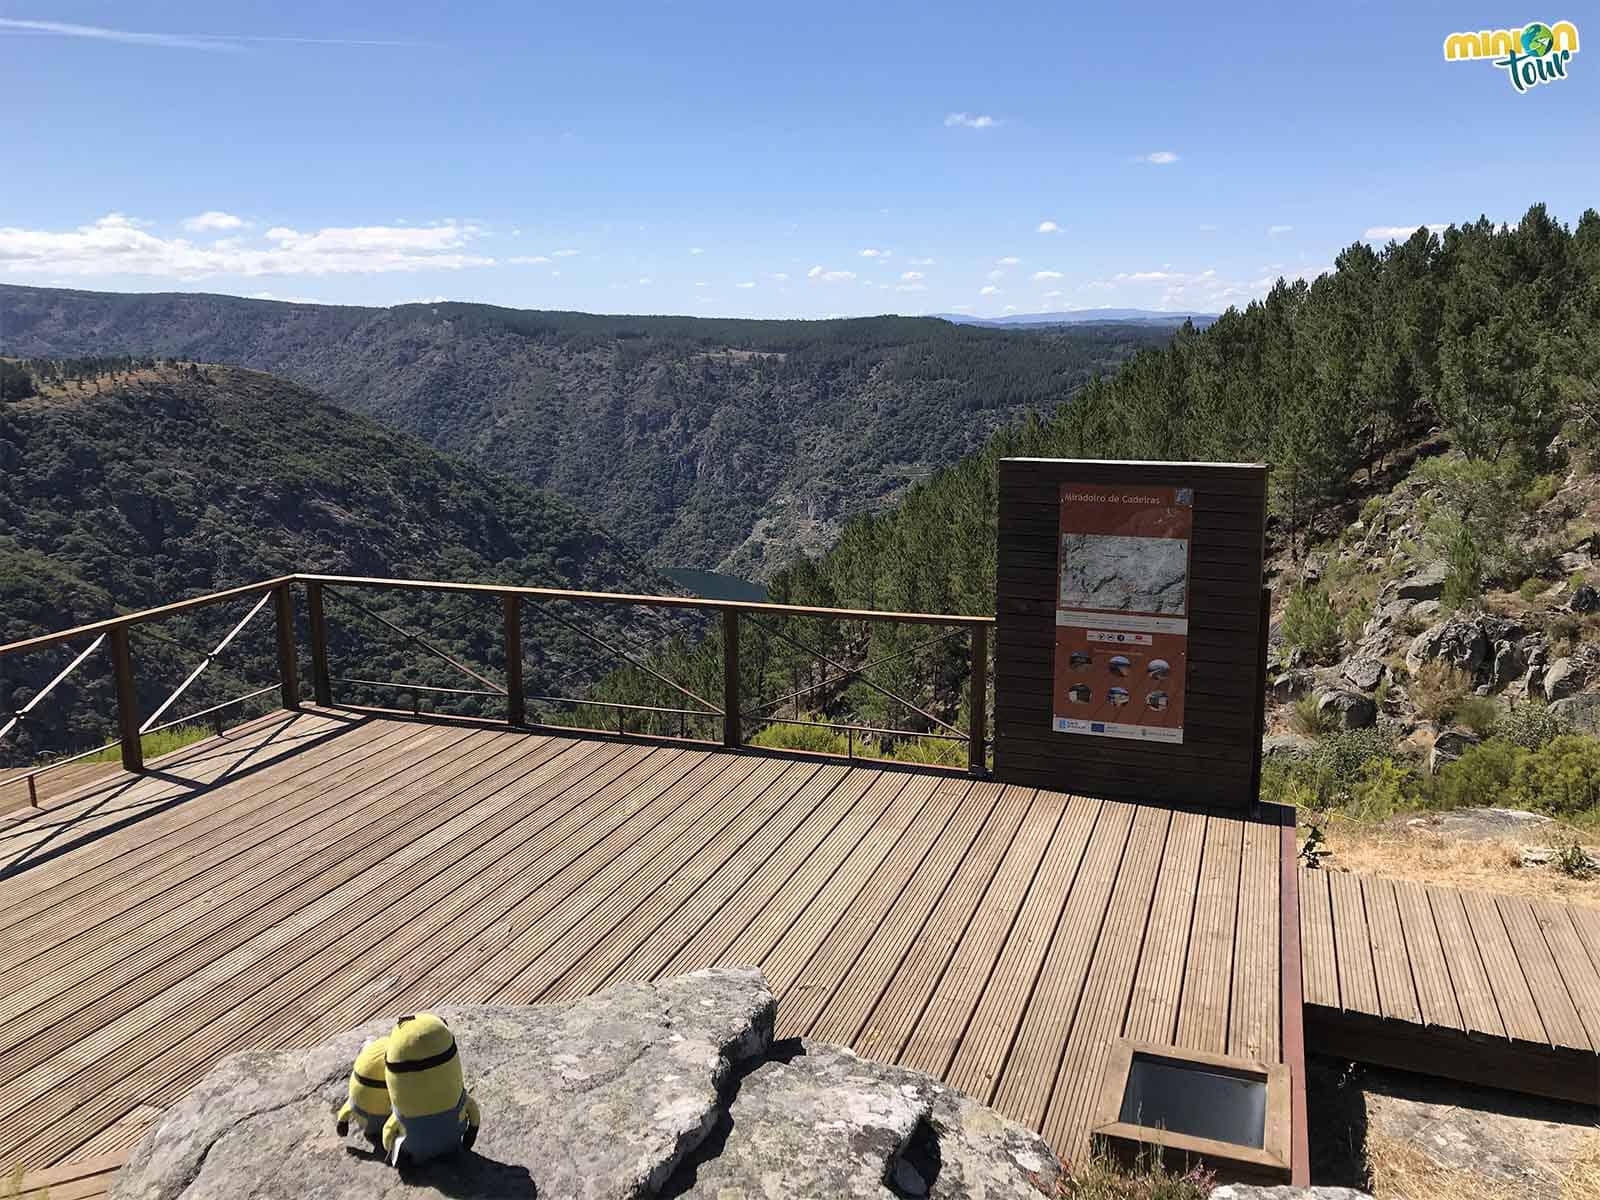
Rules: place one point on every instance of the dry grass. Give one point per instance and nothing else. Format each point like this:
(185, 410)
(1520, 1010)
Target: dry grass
(1405, 853)
(1401, 1171)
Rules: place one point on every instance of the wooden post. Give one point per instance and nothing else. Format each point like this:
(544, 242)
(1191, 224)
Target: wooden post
(321, 686)
(731, 734)
(288, 661)
(516, 711)
(127, 701)
(978, 701)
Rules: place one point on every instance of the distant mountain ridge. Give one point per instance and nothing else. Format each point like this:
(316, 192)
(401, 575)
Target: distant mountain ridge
(727, 445)
(1086, 316)
(130, 490)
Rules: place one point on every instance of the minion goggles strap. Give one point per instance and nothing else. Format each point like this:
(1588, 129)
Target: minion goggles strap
(422, 1064)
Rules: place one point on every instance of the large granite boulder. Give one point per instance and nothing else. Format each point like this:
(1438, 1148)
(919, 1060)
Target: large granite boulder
(669, 1088)
(1582, 711)
(1459, 642)
(1352, 710)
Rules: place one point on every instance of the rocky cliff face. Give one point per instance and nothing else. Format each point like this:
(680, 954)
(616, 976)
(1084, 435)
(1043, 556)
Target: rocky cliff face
(674, 1089)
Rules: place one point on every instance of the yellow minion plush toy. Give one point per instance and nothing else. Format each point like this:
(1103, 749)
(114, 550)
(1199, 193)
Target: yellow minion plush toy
(369, 1094)
(433, 1114)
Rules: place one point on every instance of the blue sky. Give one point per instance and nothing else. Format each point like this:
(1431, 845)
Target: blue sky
(756, 159)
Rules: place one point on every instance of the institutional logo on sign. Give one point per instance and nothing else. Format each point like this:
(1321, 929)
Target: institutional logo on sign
(1533, 54)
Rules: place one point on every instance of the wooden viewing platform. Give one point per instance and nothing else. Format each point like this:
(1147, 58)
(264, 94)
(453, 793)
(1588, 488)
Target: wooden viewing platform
(311, 870)
(1489, 989)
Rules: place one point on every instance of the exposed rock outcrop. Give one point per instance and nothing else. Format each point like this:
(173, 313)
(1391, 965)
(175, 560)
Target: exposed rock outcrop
(1352, 709)
(672, 1088)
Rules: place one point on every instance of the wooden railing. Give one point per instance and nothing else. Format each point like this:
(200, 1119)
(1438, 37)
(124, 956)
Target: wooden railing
(729, 713)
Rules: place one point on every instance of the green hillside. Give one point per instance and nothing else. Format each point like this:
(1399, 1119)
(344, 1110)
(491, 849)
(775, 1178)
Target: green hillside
(126, 485)
(729, 445)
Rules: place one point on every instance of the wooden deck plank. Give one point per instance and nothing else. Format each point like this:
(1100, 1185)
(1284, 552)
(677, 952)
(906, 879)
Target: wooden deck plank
(1208, 973)
(1352, 946)
(1106, 962)
(1026, 1074)
(1560, 1016)
(139, 893)
(888, 893)
(820, 804)
(1469, 981)
(340, 868)
(980, 1053)
(785, 882)
(1572, 960)
(155, 946)
(1436, 997)
(891, 938)
(930, 1041)
(1320, 972)
(35, 842)
(1158, 980)
(1397, 994)
(190, 1007)
(919, 806)
(107, 877)
(882, 1029)
(1254, 1013)
(631, 883)
(465, 914)
(1586, 924)
(1513, 1000)
(681, 877)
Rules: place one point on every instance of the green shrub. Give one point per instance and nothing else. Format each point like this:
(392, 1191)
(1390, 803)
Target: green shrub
(1148, 1180)
(1478, 713)
(1571, 859)
(1437, 689)
(1532, 588)
(1344, 756)
(1540, 491)
(1355, 620)
(1464, 565)
(933, 750)
(1481, 777)
(1312, 720)
(1531, 725)
(1564, 777)
(1311, 625)
(153, 745)
(808, 738)
(1383, 787)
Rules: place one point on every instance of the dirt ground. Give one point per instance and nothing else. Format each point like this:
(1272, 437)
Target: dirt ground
(1431, 850)
(1408, 1137)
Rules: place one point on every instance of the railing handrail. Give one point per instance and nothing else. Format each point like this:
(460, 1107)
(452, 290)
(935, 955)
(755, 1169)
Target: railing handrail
(493, 589)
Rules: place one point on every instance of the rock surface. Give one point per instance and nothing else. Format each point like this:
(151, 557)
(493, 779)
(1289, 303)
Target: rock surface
(1353, 710)
(642, 1090)
(1582, 711)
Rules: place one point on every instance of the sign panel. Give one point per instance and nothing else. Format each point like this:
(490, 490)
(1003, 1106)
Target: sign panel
(1122, 611)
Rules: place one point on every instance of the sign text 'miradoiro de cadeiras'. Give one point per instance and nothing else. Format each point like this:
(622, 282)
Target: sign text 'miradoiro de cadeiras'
(1122, 611)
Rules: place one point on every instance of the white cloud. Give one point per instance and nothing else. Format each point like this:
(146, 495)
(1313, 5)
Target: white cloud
(1054, 292)
(1041, 276)
(921, 262)
(177, 41)
(1275, 230)
(1159, 158)
(646, 281)
(781, 276)
(1049, 227)
(528, 260)
(213, 220)
(1208, 229)
(1009, 260)
(287, 299)
(870, 252)
(1398, 233)
(697, 249)
(567, 253)
(749, 283)
(988, 289)
(1009, 308)
(912, 276)
(118, 245)
(826, 276)
(995, 274)
(961, 120)
(911, 287)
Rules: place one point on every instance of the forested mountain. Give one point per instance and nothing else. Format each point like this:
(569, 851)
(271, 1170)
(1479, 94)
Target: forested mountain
(1489, 335)
(731, 445)
(125, 484)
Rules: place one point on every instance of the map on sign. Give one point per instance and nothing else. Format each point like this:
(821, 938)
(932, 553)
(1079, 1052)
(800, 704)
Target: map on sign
(1122, 611)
